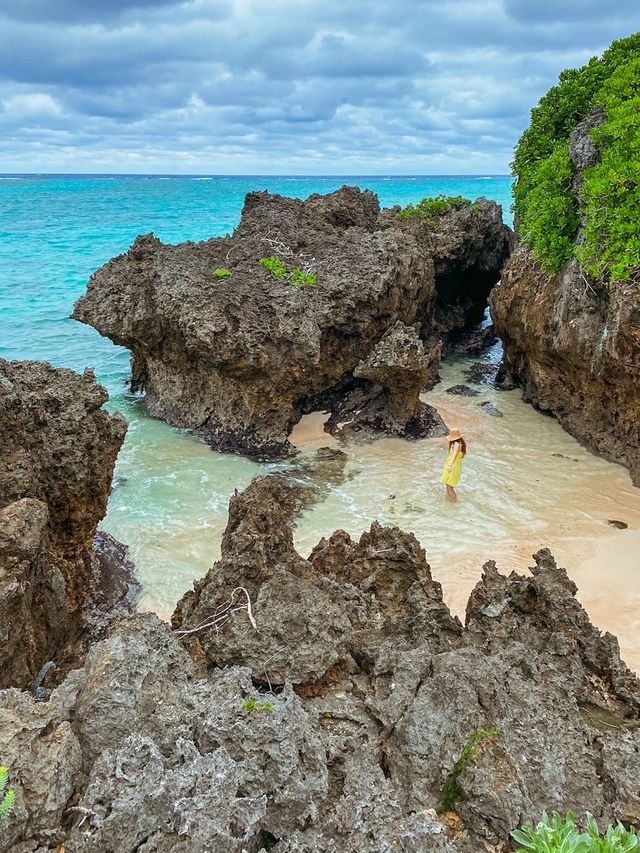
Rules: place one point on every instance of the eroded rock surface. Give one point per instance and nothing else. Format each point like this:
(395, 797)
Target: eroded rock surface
(386, 396)
(57, 455)
(573, 343)
(328, 714)
(240, 359)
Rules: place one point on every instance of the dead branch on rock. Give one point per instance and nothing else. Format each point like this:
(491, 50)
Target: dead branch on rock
(279, 246)
(222, 613)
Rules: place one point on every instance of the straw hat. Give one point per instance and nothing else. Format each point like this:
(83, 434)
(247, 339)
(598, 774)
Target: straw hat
(454, 435)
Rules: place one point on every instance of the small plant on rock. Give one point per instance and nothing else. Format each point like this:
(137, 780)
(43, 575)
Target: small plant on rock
(563, 835)
(252, 704)
(221, 272)
(452, 792)
(7, 798)
(275, 265)
(300, 278)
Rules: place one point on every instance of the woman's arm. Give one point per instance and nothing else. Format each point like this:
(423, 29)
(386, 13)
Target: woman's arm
(456, 451)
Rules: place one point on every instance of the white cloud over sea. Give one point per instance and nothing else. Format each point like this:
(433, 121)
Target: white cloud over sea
(285, 86)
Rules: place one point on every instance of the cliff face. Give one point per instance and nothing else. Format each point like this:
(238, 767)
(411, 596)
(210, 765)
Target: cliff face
(574, 346)
(56, 461)
(240, 358)
(321, 705)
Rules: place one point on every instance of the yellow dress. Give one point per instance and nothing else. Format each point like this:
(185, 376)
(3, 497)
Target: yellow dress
(452, 478)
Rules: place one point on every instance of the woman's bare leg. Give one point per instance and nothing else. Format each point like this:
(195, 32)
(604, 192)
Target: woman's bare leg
(451, 494)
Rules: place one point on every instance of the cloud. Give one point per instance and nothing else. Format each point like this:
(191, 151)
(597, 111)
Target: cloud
(31, 104)
(256, 86)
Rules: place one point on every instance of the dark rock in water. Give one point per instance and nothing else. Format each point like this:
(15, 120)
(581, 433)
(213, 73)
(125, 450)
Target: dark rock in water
(462, 391)
(240, 359)
(347, 695)
(489, 409)
(387, 399)
(475, 342)
(481, 373)
(562, 456)
(57, 455)
(621, 525)
(505, 380)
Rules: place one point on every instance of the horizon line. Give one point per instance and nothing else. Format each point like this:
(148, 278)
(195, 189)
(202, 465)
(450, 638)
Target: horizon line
(250, 175)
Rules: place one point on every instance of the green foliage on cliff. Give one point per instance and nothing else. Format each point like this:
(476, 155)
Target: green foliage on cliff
(548, 211)
(275, 265)
(563, 834)
(429, 209)
(221, 272)
(7, 798)
(300, 278)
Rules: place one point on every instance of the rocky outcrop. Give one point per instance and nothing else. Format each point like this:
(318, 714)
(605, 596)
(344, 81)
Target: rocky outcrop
(56, 460)
(386, 396)
(240, 357)
(573, 343)
(575, 349)
(324, 706)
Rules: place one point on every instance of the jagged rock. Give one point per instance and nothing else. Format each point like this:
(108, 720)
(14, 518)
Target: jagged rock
(240, 359)
(387, 398)
(301, 603)
(462, 391)
(573, 344)
(469, 245)
(53, 492)
(481, 373)
(150, 748)
(475, 342)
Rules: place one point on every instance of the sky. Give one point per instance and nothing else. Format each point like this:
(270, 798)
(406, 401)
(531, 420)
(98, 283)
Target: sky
(350, 87)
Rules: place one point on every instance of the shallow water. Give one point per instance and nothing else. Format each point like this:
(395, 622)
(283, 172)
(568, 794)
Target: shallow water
(516, 496)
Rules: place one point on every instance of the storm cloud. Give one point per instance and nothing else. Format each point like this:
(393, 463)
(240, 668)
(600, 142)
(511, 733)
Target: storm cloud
(284, 86)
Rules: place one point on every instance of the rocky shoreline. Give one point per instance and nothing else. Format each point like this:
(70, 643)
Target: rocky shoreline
(333, 702)
(295, 704)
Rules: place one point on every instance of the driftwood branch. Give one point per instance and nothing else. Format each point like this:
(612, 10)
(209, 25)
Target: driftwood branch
(223, 612)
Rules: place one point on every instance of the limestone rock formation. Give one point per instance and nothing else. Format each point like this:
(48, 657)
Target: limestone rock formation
(57, 455)
(239, 359)
(326, 712)
(575, 349)
(386, 396)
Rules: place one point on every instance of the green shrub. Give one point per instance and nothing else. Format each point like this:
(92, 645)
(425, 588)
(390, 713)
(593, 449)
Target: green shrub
(562, 835)
(7, 798)
(548, 212)
(252, 704)
(452, 792)
(303, 279)
(275, 265)
(221, 272)
(429, 209)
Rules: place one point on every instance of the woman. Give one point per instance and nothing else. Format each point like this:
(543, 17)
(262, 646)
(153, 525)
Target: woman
(453, 466)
